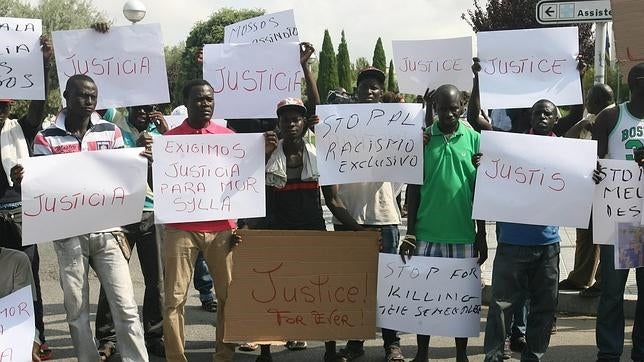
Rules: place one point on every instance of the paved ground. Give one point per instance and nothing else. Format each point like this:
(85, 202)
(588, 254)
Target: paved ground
(575, 340)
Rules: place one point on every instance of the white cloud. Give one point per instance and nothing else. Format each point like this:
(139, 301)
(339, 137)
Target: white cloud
(363, 20)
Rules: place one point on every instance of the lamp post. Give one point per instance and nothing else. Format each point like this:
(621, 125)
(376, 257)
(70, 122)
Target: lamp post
(134, 11)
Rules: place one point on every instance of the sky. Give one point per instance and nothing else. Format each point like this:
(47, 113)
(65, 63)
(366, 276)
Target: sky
(362, 20)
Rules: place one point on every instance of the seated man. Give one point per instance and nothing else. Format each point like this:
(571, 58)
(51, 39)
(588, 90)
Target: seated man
(16, 274)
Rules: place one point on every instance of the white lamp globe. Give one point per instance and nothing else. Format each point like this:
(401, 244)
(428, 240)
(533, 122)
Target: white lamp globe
(134, 11)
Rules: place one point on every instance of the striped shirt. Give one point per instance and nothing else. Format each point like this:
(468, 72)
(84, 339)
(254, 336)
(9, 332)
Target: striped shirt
(55, 139)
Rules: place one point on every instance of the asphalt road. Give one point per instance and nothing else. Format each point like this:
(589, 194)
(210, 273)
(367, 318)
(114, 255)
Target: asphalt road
(575, 340)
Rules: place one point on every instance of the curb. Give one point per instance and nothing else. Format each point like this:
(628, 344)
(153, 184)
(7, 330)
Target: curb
(571, 303)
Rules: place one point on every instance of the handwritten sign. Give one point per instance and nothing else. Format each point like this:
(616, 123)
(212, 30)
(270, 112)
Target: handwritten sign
(617, 199)
(94, 197)
(536, 180)
(208, 177)
(370, 142)
(21, 63)
(304, 285)
(17, 328)
(629, 247)
(127, 63)
(516, 74)
(627, 26)
(270, 28)
(422, 64)
(429, 296)
(250, 79)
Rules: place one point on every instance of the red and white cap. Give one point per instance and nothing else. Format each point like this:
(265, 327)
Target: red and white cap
(291, 102)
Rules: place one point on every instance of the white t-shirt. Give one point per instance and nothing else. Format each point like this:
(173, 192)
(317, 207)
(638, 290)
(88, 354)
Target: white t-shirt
(370, 203)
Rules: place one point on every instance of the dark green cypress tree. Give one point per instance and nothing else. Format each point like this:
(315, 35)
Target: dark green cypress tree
(392, 85)
(345, 75)
(328, 71)
(379, 59)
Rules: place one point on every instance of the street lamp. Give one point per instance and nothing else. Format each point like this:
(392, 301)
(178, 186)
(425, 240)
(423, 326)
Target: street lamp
(134, 11)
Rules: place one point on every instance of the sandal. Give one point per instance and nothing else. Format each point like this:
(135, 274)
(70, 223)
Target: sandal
(45, 352)
(106, 350)
(296, 345)
(394, 354)
(248, 347)
(351, 354)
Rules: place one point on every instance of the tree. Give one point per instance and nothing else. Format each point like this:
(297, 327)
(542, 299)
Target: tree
(345, 75)
(379, 59)
(173, 67)
(392, 85)
(210, 31)
(328, 71)
(56, 15)
(520, 14)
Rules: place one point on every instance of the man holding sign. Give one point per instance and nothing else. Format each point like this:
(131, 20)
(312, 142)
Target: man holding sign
(79, 129)
(619, 134)
(16, 142)
(183, 241)
(16, 274)
(448, 191)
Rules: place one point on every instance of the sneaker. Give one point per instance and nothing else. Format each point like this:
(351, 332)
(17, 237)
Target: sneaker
(517, 344)
(568, 284)
(209, 305)
(507, 353)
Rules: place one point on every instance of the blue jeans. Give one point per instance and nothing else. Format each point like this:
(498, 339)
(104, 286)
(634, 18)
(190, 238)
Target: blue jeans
(610, 311)
(521, 271)
(203, 280)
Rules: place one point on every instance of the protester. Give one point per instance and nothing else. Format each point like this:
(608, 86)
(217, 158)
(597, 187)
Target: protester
(522, 250)
(183, 241)
(585, 269)
(16, 274)
(448, 190)
(137, 126)
(79, 129)
(617, 133)
(16, 141)
(367, 205)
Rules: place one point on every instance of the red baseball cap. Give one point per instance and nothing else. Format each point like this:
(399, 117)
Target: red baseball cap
(290, 102)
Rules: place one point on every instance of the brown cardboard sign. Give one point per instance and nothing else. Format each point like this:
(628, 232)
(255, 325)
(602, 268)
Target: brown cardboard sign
(628, 28)
(303, 285)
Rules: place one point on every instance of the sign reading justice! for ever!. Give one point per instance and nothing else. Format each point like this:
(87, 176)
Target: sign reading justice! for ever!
(370, 142)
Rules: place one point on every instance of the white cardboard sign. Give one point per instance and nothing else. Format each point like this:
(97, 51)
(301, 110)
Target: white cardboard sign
(250, 79)
(127, 63)
(516, 73)
(422, 64)
(269, 28)
(370, 142)
(617, 199)
(17, 327)
(208, 177)
(21, 63)
(97, 190)
(536, 180)
(429, 296)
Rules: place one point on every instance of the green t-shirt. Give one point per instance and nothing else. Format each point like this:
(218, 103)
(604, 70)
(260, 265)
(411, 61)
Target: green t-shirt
(446, 196)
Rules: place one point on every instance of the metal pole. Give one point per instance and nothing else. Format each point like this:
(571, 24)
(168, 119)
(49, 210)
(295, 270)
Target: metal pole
(600, 52)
